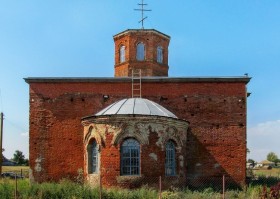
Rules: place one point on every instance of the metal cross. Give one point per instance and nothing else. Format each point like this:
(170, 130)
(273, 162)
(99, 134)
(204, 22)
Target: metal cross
(142, 10)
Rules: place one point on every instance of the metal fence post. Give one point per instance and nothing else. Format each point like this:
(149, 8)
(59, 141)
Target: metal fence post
(224, 186)
(159, 187)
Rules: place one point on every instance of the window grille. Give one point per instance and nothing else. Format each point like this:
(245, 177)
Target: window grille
(159, 54)
(130, 157)
(170, 160)
(93, 157)
(140, 52)
(122, 54)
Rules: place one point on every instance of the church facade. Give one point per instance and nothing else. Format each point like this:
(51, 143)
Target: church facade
(188, 130)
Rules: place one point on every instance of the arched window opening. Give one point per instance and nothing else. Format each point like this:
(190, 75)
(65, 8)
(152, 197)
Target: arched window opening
(93, 158)
(130, 157)
(122, 54)
(140, 52)
(170, 159)
(159, 54)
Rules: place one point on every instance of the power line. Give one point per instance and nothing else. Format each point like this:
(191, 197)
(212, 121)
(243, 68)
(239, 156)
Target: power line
(16, 125)
(1, 101)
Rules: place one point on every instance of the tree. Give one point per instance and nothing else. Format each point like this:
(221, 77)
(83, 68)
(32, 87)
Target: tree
(19, 157)
(272, 157)
(253, 162)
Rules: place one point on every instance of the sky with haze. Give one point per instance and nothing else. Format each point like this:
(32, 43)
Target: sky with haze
(73, 38)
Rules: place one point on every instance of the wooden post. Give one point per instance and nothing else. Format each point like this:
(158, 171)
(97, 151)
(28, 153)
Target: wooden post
(159, 187)
(1, 140)
(224, 186)
(100, 187)
(16, 188)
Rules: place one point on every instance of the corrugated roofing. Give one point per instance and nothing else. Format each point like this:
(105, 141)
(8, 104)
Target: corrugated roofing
(136, 106)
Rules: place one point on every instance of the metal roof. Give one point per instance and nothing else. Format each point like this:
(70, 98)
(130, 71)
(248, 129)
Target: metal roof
(244, 79)
(141, 31)
(135, 106)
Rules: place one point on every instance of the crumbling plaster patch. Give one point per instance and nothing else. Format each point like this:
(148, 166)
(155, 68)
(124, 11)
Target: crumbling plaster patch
(153, 156)
(38, 166)
(140, 128)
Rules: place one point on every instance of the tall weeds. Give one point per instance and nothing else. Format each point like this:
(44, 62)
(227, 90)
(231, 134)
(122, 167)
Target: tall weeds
(71, 190)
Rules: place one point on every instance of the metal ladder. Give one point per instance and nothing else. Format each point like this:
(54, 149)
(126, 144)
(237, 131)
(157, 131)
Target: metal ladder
(136, 83)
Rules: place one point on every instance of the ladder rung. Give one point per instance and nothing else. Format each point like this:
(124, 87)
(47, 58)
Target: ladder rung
(136, 83)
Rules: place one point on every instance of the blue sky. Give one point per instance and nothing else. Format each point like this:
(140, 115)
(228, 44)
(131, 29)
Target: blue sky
(70, 38)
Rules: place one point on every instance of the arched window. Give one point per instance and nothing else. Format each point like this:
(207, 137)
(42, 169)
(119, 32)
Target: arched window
(130, 157)
(159, 54)
(93, 157)
(122, 54)
(140, 52)
(170, 159)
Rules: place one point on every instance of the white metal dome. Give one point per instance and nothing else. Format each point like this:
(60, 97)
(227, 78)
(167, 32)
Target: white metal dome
(137, 106)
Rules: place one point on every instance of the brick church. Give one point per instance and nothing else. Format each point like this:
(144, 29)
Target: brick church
(130, 129)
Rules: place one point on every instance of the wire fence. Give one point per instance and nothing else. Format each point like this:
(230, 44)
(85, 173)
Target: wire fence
(218, 184)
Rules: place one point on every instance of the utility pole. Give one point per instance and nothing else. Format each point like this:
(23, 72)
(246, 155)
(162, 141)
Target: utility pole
(1, 140)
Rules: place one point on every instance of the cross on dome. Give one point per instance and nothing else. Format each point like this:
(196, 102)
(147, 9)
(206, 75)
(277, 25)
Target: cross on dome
(142, 11)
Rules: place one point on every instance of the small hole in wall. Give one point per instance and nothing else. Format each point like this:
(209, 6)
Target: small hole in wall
(163, 98)
(83, 99)
(204, 140)
(241, 124)
(70, 138)
(71, 99)
(192, 114)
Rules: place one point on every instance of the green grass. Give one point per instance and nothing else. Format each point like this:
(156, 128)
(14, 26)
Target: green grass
(67, 189)
(274, 172)
(17, 169)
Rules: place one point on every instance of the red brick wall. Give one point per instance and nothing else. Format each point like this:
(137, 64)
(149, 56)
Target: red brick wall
(216, 111)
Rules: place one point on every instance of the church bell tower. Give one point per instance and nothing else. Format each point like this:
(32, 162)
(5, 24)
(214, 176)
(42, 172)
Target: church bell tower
(145, 49)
